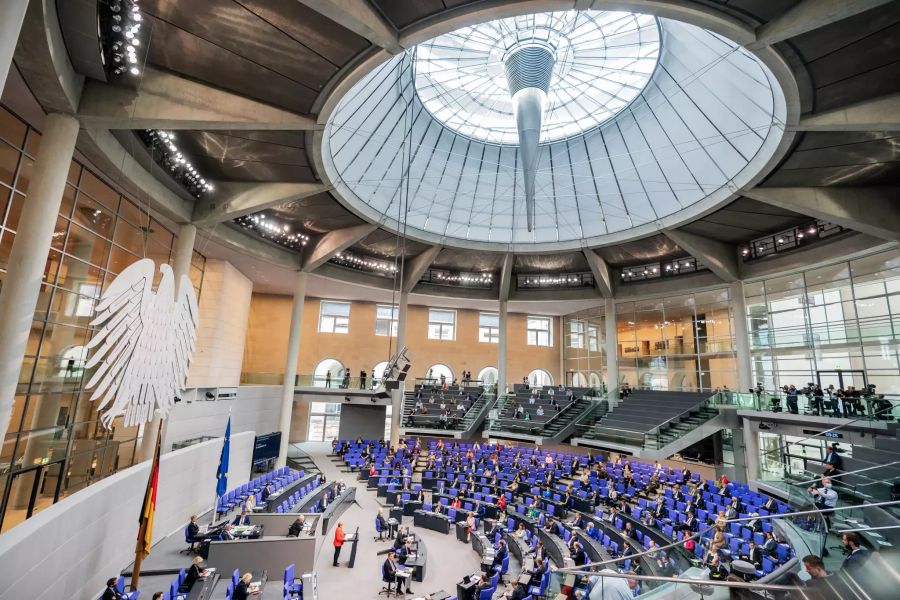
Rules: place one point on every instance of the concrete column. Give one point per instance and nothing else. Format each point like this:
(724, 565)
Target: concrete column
(290, 367)
(612, 352)
(502, 375)
(12, 15)
(397, 395)
(741, 337)
(184, 249)
(28, 256)
(751, 452)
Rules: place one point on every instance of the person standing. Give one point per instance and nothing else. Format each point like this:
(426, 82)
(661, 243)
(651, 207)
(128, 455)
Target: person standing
(338, 542)
(362, 379)
(826, 499)
(836, 460)
(328, 378)
(857, 554)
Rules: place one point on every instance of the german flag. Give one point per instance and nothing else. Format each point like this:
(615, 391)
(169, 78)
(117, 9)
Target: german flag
(148, 510)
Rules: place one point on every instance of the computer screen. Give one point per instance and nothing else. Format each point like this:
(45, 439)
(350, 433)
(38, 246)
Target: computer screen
(266, 447)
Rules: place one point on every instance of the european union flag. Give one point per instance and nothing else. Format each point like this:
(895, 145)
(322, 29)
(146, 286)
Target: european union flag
(222, 473)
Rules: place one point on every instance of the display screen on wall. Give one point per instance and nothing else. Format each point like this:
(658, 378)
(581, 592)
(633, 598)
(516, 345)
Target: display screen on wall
(266, 447)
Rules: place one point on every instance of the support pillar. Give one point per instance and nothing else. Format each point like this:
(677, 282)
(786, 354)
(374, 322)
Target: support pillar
(290, 367)
(184, 249)
(751, 452)
(502, 375)
(612, 352)
(397, 395)
(30, 249)
(741, 337)
(12, 15)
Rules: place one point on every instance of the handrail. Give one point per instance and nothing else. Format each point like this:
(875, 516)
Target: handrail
(680, 415)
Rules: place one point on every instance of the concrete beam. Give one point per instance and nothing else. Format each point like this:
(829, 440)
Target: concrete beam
(506, 276)
(237, 199)
(877, 114)
(335, 242)
(417, 266)
(360, 17)
(871, 210)
(167, 101)
(720, 258)
(807, 16)
(602, 280)
(110, 157)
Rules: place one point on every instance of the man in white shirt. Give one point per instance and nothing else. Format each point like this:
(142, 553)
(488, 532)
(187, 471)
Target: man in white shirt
(540, 411)
(826, 499)
(611, 588)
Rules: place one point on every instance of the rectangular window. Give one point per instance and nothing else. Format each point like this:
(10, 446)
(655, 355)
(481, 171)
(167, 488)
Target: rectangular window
(576, 334)
(386, 317)
(593, 339)
(441, 324)
(489, 328)
(539, 331)
(334, 317)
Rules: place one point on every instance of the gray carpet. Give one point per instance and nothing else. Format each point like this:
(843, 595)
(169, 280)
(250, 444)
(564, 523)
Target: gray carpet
(448, 559)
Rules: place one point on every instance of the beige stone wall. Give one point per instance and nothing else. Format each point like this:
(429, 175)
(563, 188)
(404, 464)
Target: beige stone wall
(224, 313)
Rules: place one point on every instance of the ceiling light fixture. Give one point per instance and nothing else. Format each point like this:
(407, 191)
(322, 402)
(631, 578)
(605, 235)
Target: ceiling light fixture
(169, 157)
(120, 28)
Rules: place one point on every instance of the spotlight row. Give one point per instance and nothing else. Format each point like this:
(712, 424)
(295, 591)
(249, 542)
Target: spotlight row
(661, 269)
(167, 154)
(364, 263)
(464, 279)
(789, 239)
(274, 231)
(561, 280)
(120, 25)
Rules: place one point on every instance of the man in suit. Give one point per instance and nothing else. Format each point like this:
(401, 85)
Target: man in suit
(771, 505)
(716, 570)
(540, 568)
(111, 592)
(242, 519)
(690, 523)
(389, 572)
(736, 504)
(770, 544)
(578, 554)
(836, 460)
(227, 534)
(753, 555)
(857, 556)
(500, 554)
(517, 592)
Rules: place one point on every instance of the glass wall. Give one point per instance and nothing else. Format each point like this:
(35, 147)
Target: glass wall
(678, 343)
(584, 348)
(55, 444)
(834, 325)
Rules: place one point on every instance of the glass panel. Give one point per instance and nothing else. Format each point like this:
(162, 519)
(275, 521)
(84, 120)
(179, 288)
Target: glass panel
(98, 190)
(94, 216)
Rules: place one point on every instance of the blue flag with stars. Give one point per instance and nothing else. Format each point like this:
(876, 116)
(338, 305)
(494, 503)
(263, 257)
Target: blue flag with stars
(222, 473)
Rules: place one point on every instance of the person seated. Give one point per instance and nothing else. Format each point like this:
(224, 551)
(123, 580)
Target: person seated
(470, 526)
(406, 550)
(194, 572)
(690, 523)
(520, 531)
(268, 491)
(500, 554)
(382, 522)
(629, 531)
(227, 533)
(755, 524)
(578, 554)
(297, 526)
(717, 570)
(540, 567)
(389, 572)
(242, 589)
(112, 592)
(754, 554)
(516, 592)
(242, 519)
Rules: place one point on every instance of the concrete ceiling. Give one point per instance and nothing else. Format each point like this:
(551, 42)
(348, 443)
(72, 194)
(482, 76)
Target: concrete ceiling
(285, 55)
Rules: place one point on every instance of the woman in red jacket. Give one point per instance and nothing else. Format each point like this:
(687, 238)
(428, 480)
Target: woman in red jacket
(338, 541)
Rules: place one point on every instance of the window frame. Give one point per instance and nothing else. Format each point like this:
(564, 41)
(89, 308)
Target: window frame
(487, 333)
(393, 322)
(442, 325)
(536, 339)
(334, 327)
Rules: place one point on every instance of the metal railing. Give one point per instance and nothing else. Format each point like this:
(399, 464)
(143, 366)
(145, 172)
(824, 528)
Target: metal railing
(872, 407)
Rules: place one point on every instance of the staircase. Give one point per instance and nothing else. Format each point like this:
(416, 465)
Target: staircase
(652, 425)
(299, 460)
(553, 431)
(464, 428)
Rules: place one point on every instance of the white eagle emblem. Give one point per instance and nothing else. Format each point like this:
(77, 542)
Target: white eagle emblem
(144, 344)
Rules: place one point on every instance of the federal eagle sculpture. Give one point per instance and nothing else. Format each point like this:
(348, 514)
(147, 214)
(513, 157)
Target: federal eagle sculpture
(144, 343)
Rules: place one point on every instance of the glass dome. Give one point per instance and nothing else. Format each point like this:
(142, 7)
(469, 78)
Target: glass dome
(603, 60)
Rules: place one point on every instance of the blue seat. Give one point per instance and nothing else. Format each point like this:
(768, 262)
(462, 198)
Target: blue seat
(293, 586)
(378, 529)
(486, 594)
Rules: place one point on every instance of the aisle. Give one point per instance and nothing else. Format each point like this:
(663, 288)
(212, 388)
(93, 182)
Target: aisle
(448, 559)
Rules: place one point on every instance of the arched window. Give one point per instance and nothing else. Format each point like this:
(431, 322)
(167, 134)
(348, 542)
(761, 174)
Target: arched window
(434, 372)
(71, 363)
(579, 380)
(378, 372)
(329, 366)
(540, 378)
(595, 381)
(488, 375)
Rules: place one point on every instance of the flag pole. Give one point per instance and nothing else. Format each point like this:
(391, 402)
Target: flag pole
(142, 547)
(215, 506)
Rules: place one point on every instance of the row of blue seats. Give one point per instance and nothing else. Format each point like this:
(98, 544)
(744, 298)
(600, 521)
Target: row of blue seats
(280, 477)
(288, 504)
